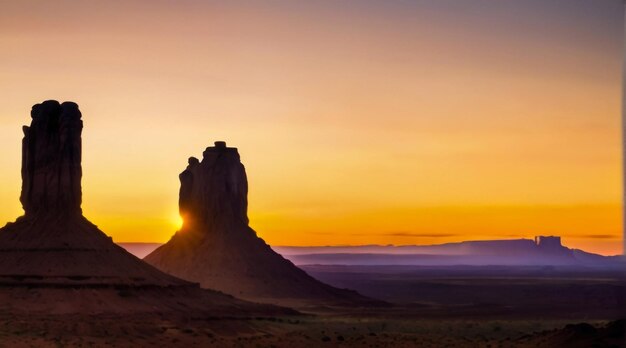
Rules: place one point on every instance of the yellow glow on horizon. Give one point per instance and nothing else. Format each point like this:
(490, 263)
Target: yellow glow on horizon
(387, 122)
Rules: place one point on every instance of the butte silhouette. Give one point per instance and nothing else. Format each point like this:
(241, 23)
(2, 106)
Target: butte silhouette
(53, 259)
(217, 248)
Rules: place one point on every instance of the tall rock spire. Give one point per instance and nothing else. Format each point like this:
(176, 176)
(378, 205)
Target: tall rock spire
(51, 160)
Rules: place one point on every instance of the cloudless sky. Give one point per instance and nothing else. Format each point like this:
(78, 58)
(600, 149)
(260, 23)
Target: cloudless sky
(359, 121)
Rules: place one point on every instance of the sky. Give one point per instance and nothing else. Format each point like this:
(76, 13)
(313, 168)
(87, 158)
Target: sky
(358, 121)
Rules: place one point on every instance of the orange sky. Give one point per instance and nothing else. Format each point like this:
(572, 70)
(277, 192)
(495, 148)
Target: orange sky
(359, 122)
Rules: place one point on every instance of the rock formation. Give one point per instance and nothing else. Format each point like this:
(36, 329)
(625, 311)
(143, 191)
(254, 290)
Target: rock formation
(218, 249)
(53, 243)
(51, 160)
(53, 247)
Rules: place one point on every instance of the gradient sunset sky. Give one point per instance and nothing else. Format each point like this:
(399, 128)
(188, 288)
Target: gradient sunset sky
(359, 121)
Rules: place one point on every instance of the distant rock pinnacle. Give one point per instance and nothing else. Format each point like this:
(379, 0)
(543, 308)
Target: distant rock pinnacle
(51, 160)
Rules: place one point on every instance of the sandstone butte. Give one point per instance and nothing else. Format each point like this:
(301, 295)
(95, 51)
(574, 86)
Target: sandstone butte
(217, 248)
(53, 260)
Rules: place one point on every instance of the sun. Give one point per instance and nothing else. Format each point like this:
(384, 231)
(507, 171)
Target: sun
(177, 221)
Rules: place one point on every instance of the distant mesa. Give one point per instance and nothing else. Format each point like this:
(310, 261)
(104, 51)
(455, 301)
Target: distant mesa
(549, 242)
(54, 251)
(218, 249)
(542, 251)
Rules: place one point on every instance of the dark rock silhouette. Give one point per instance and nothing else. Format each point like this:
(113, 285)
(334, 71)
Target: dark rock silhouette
(51, 160)
(54, 247)
(218, 249)
(542, 251)
(53, 243)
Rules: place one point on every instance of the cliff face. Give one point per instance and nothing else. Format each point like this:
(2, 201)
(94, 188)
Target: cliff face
(218, 249)
(214, 192)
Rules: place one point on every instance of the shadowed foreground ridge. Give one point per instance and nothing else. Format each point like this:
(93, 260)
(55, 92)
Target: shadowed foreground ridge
(68, 264)
(218, 249)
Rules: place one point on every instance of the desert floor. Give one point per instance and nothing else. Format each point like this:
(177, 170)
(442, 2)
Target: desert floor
(304, 332)
(504, 307)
